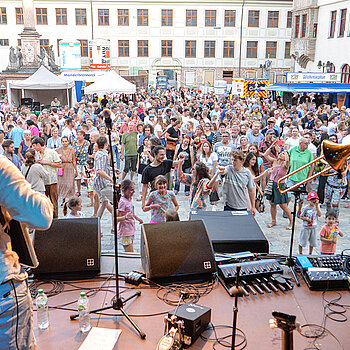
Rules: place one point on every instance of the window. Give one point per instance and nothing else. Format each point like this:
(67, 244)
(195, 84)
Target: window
(345, 74)
(209, 48)
(227, 74)
(167, 48)
(19, 42)
(272, 19)
(303, 26)
(252, 49)
(41, 16)
(287, 50)
(342, 22)
(142, 48)
(253, 18)
(167, 18)
(210, 18)
(44, 43)
(190, 48)
(84, 48)
(123, 17)
(297, 25)
(80, 17)
(19, 15)
(103, 17)
(123, 48)
(289, 19)
(314, 32)
(61, 16)
(331, 68)
(142, 17)
(191, 18)
(229, 49)
(332, 26)
(4, 42)
(3, 17)
(230, 18)
(271, 49)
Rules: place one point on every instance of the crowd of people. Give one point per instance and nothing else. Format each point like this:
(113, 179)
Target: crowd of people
(218, 148)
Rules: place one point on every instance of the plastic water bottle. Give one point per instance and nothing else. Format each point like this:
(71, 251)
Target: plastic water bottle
(42, 310)
(84, 312)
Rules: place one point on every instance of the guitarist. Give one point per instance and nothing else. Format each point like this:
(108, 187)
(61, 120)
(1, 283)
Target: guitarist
(17, 201)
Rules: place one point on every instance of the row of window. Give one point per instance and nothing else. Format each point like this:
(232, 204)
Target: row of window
(167, 48)
(333, 22)
(143, 17)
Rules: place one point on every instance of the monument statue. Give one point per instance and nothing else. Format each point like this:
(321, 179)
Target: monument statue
(52, 63)
(44, 58)
(13, 63)
(19, 57)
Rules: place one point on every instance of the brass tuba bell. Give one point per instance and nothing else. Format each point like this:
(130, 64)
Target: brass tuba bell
(336, 154)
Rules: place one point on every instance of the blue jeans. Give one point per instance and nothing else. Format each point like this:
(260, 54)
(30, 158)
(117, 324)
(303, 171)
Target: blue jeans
(116, 156)
(8, 312)
(177, 182)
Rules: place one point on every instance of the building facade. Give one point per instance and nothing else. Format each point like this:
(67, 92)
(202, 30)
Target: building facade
(194, 43)
(324, 39)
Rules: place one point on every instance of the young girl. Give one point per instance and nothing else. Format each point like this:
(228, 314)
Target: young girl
(89, 179)
(329, 233)
(126, 227)
(159, 201)
(74, 204)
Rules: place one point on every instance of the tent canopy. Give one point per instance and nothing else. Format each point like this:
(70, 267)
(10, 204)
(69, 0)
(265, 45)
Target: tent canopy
(43, 79)
(111, 82)
(310, 87)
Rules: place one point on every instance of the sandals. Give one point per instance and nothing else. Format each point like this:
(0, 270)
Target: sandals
(271, 224)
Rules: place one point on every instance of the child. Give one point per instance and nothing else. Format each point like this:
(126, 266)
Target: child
(171, 215)
(74, 204)
(89, 178)
(126, 228)
(159, 200)
(329, 233)
(309, 215)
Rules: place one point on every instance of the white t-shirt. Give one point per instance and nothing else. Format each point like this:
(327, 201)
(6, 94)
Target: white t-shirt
(209, 163)
(292, 142)
(156, 129)
(312, 148)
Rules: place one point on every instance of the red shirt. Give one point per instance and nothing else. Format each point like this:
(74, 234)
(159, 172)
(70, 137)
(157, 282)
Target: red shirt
(329, 233)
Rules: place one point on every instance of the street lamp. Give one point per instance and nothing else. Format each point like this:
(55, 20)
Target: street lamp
(323, 65)
(267, 67)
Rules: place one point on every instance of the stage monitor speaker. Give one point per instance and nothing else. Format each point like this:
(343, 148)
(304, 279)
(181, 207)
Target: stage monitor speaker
(69, 248)
(232, 232)
(177, 250)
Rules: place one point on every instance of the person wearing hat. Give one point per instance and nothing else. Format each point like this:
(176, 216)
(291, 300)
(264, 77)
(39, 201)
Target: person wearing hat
(271, 125)
(310, 214)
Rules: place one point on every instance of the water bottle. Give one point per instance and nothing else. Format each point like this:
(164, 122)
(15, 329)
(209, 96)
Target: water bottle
(84, 312)
(42, 309)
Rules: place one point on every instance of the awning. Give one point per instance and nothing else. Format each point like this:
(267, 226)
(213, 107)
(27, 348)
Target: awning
(309, 87)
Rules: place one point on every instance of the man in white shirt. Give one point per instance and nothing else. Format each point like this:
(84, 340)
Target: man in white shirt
(311, 146)
(69, 131)
(292, 141)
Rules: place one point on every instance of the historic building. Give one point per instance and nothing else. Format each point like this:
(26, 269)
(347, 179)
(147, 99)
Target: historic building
(194, 43)
(321, 36)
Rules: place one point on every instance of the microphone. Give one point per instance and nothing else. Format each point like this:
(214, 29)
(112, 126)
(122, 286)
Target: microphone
(106, 114)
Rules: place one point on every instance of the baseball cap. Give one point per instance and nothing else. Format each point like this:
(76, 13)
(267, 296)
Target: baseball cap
(271, 120)
(270, 131)
(311, 195)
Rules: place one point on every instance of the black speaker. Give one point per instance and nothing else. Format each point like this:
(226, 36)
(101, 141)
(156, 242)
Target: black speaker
(69, 248)
(232, 232)
(177, 250)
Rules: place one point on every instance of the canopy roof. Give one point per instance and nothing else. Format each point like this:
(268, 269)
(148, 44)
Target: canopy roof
(111, 82)
(309, 87)
(42, 79)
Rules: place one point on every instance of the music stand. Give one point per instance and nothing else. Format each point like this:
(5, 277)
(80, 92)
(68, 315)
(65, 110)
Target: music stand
(289, 261)
(118, 303)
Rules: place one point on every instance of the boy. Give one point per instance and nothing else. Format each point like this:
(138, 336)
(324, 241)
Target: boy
(309, 215)
(329, 233)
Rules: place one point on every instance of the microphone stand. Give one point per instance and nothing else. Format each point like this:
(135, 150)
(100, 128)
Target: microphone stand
(237, 292)
(118, 303)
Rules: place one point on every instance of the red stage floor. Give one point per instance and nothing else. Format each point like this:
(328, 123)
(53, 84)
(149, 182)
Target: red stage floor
(253, 316)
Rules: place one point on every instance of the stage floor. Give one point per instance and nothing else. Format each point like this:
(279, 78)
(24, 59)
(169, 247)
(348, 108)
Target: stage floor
(253, 316)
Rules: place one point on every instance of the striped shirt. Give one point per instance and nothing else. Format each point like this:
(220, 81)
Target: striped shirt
(101, 163)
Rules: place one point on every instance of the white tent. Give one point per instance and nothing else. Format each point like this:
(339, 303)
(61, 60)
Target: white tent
(42, 87)
(110, 82)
